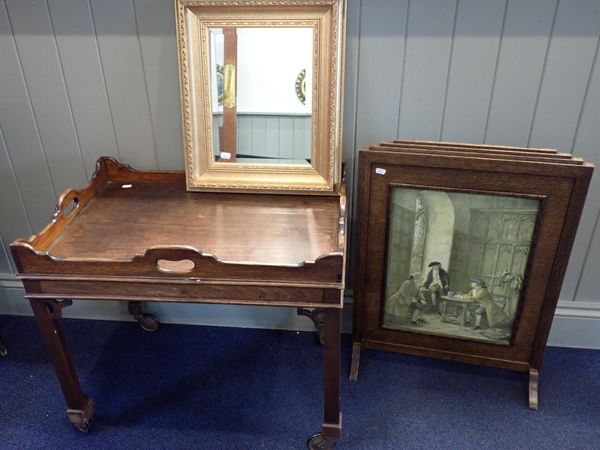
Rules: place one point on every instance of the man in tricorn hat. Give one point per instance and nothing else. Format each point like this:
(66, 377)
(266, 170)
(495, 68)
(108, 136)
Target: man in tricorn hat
(483, 303)
(437, 283)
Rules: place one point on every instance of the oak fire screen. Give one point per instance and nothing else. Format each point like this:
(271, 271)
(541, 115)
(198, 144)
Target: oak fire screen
(462, 250)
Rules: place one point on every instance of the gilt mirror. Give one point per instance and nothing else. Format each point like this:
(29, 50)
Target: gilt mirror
(261, 91)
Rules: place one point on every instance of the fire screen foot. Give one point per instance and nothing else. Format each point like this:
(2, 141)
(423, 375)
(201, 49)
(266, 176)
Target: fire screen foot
(534, 377)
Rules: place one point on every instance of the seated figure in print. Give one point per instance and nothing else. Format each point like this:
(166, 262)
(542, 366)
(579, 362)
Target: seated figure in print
(408, 295)
(437, 284)
(483, 305)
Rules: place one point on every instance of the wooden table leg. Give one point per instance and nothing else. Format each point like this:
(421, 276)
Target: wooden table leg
(332, 423)
(80, 408)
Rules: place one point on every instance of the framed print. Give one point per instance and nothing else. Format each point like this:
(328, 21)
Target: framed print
(461, 253)
(456, 262)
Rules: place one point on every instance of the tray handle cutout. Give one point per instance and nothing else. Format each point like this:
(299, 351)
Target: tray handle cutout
(66, 206)
(180, 266)
(71, 207)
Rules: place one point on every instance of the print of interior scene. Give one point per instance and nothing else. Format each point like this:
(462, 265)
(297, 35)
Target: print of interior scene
(456, 262)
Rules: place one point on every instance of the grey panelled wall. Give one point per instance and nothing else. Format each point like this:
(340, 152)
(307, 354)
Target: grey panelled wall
(84, 78)
(274, 136)
(516, 72)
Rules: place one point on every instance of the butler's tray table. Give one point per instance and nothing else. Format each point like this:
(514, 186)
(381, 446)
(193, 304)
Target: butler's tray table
(140, 236)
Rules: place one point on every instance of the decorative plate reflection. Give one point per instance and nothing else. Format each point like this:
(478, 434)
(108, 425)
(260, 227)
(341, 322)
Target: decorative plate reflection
(301, 86)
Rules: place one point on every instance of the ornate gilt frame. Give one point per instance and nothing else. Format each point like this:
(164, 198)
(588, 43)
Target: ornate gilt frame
(327, 19)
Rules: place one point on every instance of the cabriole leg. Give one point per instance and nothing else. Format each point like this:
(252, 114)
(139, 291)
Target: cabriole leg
(332, 423)
(80, 408)
(534, 378)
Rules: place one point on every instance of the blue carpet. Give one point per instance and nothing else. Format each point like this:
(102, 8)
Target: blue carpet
(226, 388)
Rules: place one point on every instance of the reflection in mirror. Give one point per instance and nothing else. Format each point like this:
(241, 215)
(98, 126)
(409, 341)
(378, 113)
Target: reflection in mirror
(261, 94)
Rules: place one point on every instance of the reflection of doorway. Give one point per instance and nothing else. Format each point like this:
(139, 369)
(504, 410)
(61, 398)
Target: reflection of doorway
(228, 132)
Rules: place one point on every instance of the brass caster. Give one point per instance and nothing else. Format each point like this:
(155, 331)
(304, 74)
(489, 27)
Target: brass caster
(320, 442)
(84, 427)
(148, 322)
(80, 418)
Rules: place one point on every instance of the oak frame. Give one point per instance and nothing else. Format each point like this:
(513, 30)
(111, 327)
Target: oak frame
(561, 186)
(327, 19)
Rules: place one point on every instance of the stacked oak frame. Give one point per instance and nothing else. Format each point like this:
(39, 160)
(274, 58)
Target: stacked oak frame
(559, 180)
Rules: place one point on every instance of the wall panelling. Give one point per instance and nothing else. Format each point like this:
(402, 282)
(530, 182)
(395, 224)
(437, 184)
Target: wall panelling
(84, 78)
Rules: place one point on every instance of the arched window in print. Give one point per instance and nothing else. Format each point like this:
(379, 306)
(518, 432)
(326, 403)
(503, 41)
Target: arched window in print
(420, 236)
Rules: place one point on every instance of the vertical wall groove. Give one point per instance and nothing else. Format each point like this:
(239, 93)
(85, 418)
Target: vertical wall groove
(6, 256)
(152, 123)
(489, 110)
(357, 82)
(355, 108)
(62, 75)
(539, 90)
(112, 117)
(594, 233)
(351, 162)
(29, 102)
(16, 180)
(585, 96)
(405, 31)
(445, 104)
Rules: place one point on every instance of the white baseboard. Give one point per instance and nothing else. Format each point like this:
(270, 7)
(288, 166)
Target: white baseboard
(576, 324)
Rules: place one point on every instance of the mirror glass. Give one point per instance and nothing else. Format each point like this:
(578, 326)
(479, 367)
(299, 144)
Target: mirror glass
(261, 94)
